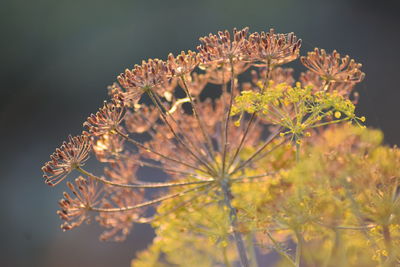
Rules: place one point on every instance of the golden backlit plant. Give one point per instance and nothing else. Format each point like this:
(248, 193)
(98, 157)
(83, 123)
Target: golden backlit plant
(261, 167)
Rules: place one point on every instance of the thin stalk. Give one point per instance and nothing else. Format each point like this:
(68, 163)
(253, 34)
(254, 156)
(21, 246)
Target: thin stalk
(228, 115)
(159, 216)
(140, 185)
(224, 90)
(238, 149)
(297, 152)
(278, 248)
(252, 250)
(157, 153)
(387, 238)
(148, 203)
(196, 115)
(165, 119)
(233, 221)
(269, 140)
(168, 170)
(329, 122)
(161, 108)
(267, 74)
(262, 155)
(152, 131)
(299, 249)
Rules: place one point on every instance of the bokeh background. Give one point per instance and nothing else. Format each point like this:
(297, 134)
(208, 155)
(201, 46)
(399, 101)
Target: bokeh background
(58, 56)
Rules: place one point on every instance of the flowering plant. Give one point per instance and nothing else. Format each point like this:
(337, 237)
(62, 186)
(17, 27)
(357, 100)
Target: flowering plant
(262, 166)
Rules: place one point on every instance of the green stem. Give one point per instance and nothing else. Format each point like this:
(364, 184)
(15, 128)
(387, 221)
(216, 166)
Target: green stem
(299, 249)
(233, 222)
(267, 142)
(387, 238)
(252, 250)
(278, 248)
(242, 140)
(228, 115)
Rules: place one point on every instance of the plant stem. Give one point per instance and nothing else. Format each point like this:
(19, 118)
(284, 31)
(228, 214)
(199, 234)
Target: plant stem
(238, 149)
(388, 244)
(278, 248)
(139, 184)
(199, 120)
(252, 250)
(297, 152)
(186, 146)
(148, 149)
(233, 221)
(299, 249)
(150, 202)
(267, 142)
(228, 115)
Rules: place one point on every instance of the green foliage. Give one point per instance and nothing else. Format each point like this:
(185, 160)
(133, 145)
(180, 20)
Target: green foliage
(341, 201)
(194, 234)
(297, 109)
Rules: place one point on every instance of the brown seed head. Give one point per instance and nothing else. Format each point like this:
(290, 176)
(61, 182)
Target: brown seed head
(272, 48)
(183, 64)
(221, 48)
(106, 120)
(74, 209)
(332, 67)
(142, 77)
(69, 156)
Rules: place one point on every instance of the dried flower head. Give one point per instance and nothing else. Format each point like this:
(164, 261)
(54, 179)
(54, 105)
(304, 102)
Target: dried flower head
(183, 64)
(310, 78)
(74, 210)
(64, 160)
(332, 67)
(273, 49)
(142, 77)
(221, 48)
(106, 120)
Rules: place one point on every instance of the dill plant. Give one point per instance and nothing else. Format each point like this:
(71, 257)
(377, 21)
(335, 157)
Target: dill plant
(265, 166)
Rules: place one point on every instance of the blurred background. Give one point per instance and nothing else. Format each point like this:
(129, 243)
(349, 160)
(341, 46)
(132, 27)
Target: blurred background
(57, 57)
